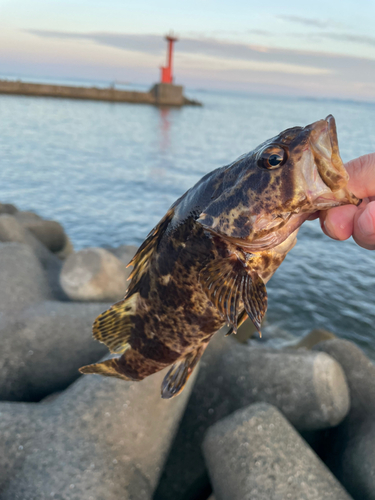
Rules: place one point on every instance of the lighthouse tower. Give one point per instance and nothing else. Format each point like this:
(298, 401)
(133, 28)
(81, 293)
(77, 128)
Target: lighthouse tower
(166, 72)
(165, 92)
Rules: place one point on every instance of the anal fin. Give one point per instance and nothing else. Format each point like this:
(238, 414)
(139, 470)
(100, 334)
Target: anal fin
(227, 282)
(175, 380)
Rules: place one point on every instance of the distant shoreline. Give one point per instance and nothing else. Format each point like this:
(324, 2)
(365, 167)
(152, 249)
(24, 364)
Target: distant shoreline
(158, 95)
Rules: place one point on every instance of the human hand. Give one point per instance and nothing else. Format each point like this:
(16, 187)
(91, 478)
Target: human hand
(342, 222)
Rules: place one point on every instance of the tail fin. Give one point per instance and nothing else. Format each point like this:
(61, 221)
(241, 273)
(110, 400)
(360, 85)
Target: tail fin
(113, 327)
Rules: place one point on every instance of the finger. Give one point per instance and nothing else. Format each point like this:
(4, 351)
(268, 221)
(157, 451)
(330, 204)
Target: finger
(362, 176)
(364, 227)
(338, 222)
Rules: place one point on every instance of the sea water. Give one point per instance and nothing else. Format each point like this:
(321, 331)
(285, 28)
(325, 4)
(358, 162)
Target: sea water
(109, 171)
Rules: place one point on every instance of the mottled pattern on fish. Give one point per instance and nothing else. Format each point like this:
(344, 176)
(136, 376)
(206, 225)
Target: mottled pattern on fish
(207, 261)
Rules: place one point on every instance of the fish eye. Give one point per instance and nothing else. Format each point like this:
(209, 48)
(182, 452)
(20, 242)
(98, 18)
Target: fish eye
(272, 157)
(275, 160)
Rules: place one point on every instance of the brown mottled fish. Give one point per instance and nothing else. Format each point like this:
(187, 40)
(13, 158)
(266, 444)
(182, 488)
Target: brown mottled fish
(207, 261)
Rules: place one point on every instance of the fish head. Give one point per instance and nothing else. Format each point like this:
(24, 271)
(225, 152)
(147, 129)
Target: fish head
(268, 193)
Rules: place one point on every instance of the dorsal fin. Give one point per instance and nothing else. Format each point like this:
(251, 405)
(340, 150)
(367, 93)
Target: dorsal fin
(141, 259)
(227, 282)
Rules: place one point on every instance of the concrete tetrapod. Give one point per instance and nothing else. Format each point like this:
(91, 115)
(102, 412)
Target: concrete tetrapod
(94, 274)
(350, 447)
(102, 439)
(49, 232)
(310, 390)
(22, 277)
(255, 454)
(8, 208)
(44, 346)
(11, 230)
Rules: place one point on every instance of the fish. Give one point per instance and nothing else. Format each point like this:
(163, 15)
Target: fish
(207, 262)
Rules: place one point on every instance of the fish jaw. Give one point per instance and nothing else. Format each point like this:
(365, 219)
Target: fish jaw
(326, 182)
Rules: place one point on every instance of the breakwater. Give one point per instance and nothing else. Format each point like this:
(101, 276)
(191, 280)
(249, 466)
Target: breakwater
(159, 95)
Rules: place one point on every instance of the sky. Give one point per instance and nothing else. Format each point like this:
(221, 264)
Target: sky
(321, 48)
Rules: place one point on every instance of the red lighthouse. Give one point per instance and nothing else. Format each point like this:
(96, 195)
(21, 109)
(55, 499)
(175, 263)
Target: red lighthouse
(166, 72)
(166, 93)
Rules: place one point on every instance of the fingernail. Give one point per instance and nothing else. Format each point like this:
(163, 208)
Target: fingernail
(366, 224)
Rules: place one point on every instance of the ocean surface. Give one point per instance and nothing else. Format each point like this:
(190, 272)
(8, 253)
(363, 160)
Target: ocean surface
(109, 171)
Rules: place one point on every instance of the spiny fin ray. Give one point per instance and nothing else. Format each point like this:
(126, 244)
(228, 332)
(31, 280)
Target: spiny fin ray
(255, 300)
(226, 283)
(113, 327)
(108, 368)
(241, 319)
(178, 375)
(141, 259)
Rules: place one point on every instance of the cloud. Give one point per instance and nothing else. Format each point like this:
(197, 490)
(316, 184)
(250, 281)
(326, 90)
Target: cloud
(211, 47)
(213, 62)
(348, 37)
(307, 21)
(331, 35)
(196, 61)
(150, 44)
(155, 45)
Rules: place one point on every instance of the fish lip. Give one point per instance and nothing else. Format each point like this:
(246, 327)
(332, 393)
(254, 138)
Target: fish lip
(330, 167)
(332, 131)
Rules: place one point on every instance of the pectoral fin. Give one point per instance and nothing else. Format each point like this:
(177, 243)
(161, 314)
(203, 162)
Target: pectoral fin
(255, 300)
(179, 373)
(241, 319)
(229, 285)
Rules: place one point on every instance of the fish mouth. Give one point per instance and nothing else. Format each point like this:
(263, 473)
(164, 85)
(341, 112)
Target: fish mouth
(329, 165)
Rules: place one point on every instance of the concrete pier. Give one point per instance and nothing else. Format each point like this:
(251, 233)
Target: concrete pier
(161, 94)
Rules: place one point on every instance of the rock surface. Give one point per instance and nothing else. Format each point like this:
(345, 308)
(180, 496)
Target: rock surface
(96, 441)
(11, 230)
(310, 390)
(44, 346)
(25, 217)
(255, 454)
(349, 449)
(313, 338)
(49, 232)
(22, 278)
(66, 251)
(94, 274)
(8, 208)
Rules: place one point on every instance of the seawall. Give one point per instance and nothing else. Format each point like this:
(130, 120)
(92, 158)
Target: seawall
(159, 95)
